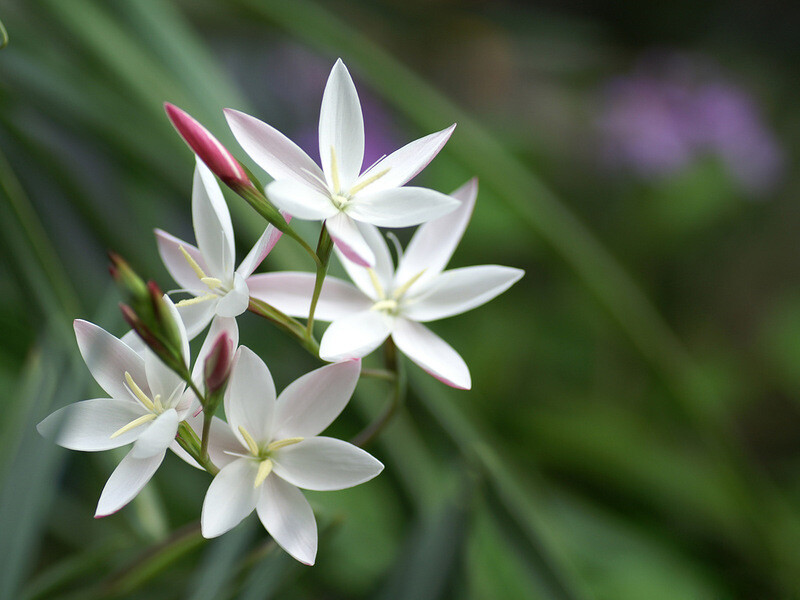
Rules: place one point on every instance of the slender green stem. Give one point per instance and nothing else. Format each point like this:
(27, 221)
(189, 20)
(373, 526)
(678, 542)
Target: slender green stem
(189, 441)
(207, 418)
(379, 374)
(324, 247)
(3, 36)
(291, 326)
(396, 397)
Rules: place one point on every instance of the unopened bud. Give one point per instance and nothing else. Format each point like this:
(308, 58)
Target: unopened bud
(127, 278)
(208, 148)
(217, 366)
(164, 320)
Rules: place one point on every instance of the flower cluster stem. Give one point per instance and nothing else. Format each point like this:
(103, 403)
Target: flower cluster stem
(189, 441)
(289, 325)
(397, 396)
(324, 247)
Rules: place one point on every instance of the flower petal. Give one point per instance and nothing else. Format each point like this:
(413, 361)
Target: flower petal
(459, 290)
(404, 164)
(156, 436)
(274, 152)
(127, 480)
(349, 240)
(169, 247)
(288, 518)
(197, 316)
(400, 207)
(290, 292)
(236, 301)
(134, 342)
(431, 353)
(259, 252)
(341, 128)
(108, 358)
(312, 402)
(300, 200)
(230, 498)
(88, 425)
(355, 336)
(212, 223)
(250, 397)
(163, 381)
(433, 244)
(383, 267)
(323, 463)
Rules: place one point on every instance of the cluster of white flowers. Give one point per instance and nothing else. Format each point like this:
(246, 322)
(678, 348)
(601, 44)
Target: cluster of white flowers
(270, 445)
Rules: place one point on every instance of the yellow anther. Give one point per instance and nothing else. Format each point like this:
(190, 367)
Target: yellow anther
(251, 443)
(197, 300)
(335, 171)
(137, 391)
(376, 283)
(398, 293)
(211, 282)
(360, 186)
(192, 263)
(264, 469)
(277, 445)
(157, 404)
(390, 305)
(135, 423)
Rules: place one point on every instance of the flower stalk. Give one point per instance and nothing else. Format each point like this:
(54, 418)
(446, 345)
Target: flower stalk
(324, 248)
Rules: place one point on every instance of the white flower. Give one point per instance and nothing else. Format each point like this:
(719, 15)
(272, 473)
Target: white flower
(206, 271)
(394, 303)
(339, 193)
(272, 447)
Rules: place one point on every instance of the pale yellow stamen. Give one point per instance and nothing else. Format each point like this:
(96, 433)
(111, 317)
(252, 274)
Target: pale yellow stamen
(197, 300)
(335, 171)
(376, 282)
(157, 404)
(137, 391)
(135, 423)
(360, 186)
(251, 443)
(192, 263)
(264, 469)
(398, 293)
(211, 282)
(277, 445)
(390, 305)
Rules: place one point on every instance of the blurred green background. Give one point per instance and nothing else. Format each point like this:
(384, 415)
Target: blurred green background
(633, 430)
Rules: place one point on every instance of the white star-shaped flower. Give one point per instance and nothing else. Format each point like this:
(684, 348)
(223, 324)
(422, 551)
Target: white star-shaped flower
(388, 302)
(339, 193)
(272, 447)
(206, 271)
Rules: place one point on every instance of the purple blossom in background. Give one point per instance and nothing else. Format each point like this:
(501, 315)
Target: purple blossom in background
(673, 110)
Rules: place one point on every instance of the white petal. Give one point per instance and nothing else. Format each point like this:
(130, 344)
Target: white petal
(162, 380)
(323, 463)
(169, 247)
(288, 518)
(431, 353)
(273, 151)
(312, 402)
(400, 207)
(230, 498)
(134, 342)
(127, 480)
(88, 425)
(156, 437)
(212, 223)
(108, 358)
(434, 242)
(259, 252)
(197, 316)
(349, 240)
(300, 200)
(341, 128)
(236, 301)
(459, 290)
(250, 397)
(404, 164)
(383, 266)
(176, 316)
(355, 336)
(290, 292)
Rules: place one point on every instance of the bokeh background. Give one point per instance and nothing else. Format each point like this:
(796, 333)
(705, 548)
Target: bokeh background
(634, 427)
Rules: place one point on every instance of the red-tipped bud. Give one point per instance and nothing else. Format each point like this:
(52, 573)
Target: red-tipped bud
(217, 367)
(142, 330)
(208, 148)
(126, 277)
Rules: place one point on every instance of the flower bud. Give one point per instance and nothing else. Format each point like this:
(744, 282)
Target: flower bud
(127, 278)
(217, 366)
(208, 148)
(164, 320)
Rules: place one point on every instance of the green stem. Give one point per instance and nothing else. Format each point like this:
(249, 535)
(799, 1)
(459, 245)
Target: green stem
(378, 374)
(396, 397)
(207, 418)
(3, 36)
(324, 247)
(189, 441)
(291, 326)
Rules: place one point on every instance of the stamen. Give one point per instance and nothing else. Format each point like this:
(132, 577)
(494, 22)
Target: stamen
(251, 443)
(315, 176)
(283, 443)
(397, 247)
(398, 293)
(212, 282)
(192, 263)
(157, 404)
(197, 300)
(390, 305)
(264, 469)
(334, 171)
(135, 423)
(376, 282)
(360, 186)
(137, 391)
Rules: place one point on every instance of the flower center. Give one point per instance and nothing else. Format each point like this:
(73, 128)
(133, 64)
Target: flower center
(390, 304)
(154, 406)
(215, 286)
(263, 454)
(340, 198)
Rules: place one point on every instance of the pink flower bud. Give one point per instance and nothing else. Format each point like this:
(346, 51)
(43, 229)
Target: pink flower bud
(217, 367)
(208, 148)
